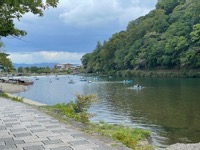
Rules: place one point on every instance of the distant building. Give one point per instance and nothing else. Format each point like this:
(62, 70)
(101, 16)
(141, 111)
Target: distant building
(65, 66)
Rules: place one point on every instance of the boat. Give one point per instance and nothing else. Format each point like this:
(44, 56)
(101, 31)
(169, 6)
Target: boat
(89, 81)
(127, 81)
(83, 79)
(24, 81)
(71, 82)
(137, 87)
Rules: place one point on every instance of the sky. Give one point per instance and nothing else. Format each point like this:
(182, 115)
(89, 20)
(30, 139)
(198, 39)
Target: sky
(64, 34)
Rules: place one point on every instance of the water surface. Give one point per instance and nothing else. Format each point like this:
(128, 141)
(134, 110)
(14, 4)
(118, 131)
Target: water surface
(167, 107)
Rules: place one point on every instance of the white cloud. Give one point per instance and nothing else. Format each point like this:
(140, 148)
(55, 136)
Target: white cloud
(45, 57)
(95, 12)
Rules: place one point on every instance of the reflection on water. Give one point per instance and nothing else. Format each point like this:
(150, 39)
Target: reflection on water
(167, 107)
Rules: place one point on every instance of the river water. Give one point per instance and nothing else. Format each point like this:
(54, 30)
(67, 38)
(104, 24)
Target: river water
(169, 108)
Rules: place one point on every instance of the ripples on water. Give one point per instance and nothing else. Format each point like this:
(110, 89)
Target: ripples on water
(167, 107)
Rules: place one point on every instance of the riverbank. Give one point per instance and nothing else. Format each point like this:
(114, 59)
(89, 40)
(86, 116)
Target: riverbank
(12, 88)
(156, 73)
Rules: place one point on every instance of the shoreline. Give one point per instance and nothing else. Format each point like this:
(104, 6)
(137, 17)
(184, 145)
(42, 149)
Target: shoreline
(12, 88)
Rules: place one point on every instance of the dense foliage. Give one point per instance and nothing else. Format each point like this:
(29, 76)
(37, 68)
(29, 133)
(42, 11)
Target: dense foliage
(166, 38)
(34, 69)
(5, 62)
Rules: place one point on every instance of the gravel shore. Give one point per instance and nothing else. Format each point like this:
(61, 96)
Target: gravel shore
(12, 88)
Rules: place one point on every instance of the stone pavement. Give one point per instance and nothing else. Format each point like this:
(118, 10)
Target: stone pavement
(24, 128)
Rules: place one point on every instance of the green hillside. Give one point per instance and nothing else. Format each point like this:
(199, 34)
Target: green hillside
(166, 38)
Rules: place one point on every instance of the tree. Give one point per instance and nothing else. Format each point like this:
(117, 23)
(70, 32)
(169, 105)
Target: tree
(15, 9)
(11, 10)
(5, 63)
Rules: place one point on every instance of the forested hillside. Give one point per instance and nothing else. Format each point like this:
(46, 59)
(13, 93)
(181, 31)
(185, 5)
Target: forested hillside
(166, 38)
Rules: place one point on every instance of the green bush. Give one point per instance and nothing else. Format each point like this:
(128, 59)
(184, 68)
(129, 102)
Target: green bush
(78, 109)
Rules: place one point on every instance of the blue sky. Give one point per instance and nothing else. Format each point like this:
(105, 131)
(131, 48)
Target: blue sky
(64, 34)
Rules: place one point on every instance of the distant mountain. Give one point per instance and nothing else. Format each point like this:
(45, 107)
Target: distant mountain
(51, 65)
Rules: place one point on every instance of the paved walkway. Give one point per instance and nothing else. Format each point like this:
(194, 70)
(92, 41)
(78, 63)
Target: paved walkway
(24, 128)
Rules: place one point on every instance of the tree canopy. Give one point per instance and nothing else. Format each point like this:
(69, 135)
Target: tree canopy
(168, 37)
(15, 9)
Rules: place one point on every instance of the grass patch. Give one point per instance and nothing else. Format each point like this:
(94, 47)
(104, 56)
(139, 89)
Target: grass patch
(16, 99)
(78, 111)
(126, 135)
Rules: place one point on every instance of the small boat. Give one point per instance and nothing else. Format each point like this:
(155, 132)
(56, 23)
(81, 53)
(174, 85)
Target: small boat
(89, 81)
(71, 82)
(83, 79)
(24, 81)
(137, 87)
(127, 81)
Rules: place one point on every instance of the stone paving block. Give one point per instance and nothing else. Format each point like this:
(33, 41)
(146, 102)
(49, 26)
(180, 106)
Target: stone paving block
(11, 124)
(22, 134)
(62, 148)
(73, 131)
(60, 131)
(84, 147)
(52, 126)
(29, 144)
(55, 137)
(18, 130)
(81, 142)
(52, 146)
(47, 142)
(39, 118)
(14, 115)
(38, 130)
(26, 120)
(104, 148)
(14, 142)
(80, 135)
(2, 128)
(6, 139)
(10, 120)
(69, 138)
(33, 126)
(35, 147)
(5, 134)
(47, 134)
(32, 140)
(44, 121)
(6, 147)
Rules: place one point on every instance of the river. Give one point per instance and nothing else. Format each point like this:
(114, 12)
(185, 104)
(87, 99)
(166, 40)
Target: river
(169, 108)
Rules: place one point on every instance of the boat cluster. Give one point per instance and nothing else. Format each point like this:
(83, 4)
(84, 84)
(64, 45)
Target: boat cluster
(20, 81)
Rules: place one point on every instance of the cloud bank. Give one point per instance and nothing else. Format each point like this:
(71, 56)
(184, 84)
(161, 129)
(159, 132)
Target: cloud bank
(98, 13)
(45, 56)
